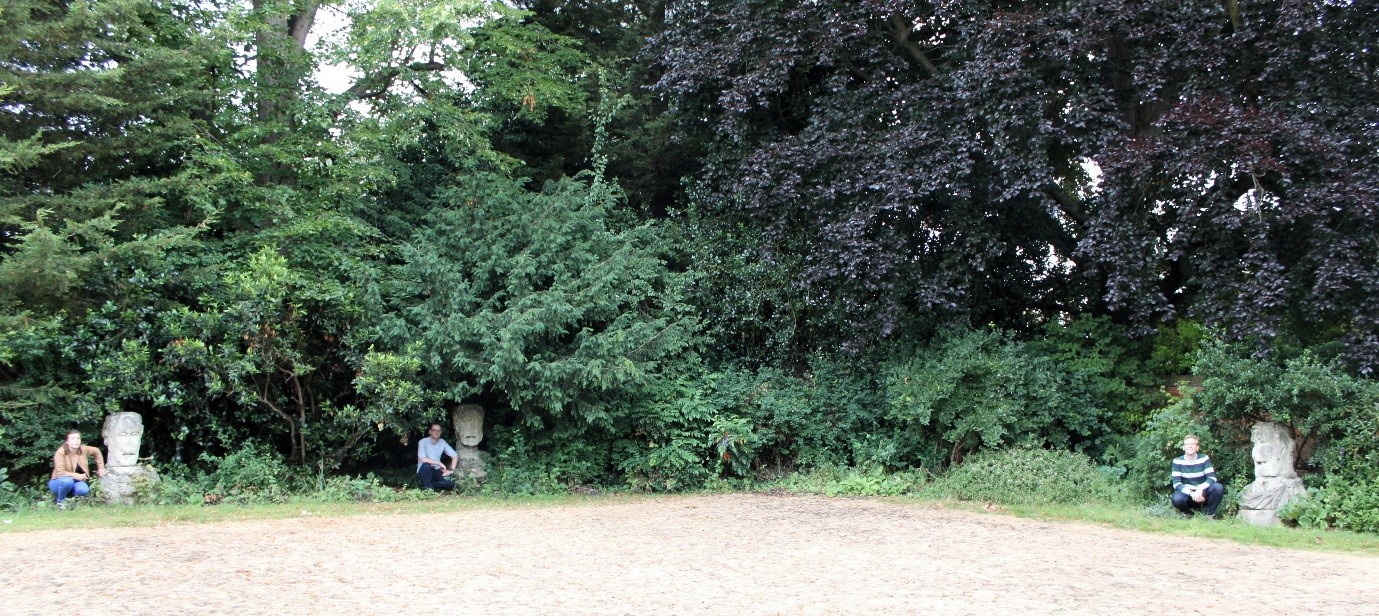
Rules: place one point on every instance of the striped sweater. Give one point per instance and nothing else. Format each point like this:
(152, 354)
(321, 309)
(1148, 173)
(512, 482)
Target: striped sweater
(1192, 474)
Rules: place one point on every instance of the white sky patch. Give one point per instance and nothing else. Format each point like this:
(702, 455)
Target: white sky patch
(1093, 171)
(331, 25)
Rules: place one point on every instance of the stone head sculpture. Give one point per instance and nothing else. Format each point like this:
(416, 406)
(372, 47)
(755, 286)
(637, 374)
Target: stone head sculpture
(122, 432)
(469, 424)
(1273, 450)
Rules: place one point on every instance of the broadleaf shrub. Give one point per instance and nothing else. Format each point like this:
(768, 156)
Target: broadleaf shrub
(1339, 503)
(254, 473)
(983, 389)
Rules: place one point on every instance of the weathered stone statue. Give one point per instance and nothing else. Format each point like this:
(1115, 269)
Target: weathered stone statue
(469, 432)
(1276, 482)
(122, 433)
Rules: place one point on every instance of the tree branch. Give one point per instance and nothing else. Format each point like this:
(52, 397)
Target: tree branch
(1067, 204)
(299, 25)
(1233, 10)
(902, 35)
(377, 84)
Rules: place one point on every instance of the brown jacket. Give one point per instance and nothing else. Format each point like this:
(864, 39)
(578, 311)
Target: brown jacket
(65, 462)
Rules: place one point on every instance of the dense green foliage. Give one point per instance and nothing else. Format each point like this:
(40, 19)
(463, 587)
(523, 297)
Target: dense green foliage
(1333, 415)
(670, 244)
(983, 390)
(1028, 476)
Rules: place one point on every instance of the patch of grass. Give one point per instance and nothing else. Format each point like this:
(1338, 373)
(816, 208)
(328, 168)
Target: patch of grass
(1138, 518)
(84, 515)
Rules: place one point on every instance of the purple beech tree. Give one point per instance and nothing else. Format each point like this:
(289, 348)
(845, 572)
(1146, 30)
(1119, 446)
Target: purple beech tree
(1009, 161)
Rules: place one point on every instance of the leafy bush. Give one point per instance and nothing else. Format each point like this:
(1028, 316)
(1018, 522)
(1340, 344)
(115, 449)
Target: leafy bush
(253, 474)
(1027, 477)
(9, 493)
(736, 422)
(670, 446)
(1339, 503)
(344, 488)
(552, 465)
(830, 415)
(1175, 347)
(868, 480)
(1103, 366)
(982, 389)
(1312, 396)
(1151, 452)
(170, 489)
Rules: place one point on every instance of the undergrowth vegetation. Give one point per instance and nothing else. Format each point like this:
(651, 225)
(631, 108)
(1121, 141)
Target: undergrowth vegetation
(1029, 477)
(665, 255)
(979, 415)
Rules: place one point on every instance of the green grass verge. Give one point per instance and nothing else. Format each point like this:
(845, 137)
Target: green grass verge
(1111, 516)
(101, 516)
(1136, 518)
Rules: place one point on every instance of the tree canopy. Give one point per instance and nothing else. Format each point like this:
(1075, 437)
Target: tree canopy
(665, 239)
(1008, 162)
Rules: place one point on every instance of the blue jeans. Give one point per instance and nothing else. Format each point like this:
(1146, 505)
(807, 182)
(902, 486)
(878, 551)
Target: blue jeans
(1185, 504)
(66, 486)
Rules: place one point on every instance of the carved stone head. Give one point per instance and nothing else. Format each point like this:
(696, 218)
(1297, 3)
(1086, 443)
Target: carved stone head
(122, 432)
(1273, 450)
(469, 424)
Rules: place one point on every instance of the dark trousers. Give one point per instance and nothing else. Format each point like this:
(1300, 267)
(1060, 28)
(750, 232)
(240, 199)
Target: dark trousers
(432, 479)
(1185, 504)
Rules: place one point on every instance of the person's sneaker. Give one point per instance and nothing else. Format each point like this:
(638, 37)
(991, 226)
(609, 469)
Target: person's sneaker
(61, 506)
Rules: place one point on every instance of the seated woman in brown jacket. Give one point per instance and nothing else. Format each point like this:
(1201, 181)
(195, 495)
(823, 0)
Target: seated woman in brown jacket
(72, 467)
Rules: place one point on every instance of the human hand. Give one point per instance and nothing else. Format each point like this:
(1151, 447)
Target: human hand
(79, 476)
(1199, 496)
(100, 472)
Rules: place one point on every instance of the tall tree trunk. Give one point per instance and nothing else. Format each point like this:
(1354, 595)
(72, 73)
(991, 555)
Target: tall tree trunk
(282, 64)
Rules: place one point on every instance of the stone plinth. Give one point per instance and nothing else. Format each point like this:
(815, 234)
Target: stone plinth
(119, 482)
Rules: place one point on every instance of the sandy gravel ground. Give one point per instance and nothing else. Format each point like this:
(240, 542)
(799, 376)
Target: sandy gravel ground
(723, 554)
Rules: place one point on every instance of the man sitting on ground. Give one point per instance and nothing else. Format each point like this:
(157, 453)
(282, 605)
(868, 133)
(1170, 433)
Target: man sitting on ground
(1194, 481)
(431, 472)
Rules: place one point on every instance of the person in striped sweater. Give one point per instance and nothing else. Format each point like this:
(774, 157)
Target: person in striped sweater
(1194, 481)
